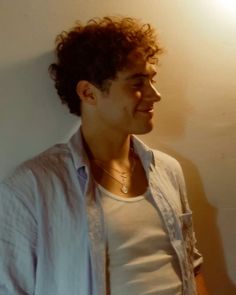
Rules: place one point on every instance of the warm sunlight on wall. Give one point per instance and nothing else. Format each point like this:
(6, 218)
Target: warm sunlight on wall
(195, 121)
(227, 7)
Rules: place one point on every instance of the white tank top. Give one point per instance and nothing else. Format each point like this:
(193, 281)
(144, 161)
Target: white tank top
(141, 260)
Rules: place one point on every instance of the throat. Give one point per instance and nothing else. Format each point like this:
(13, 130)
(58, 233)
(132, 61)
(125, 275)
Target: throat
(123, 182)
(111, 149)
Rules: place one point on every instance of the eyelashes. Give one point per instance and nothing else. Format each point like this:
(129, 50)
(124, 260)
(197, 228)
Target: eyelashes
(153, 81)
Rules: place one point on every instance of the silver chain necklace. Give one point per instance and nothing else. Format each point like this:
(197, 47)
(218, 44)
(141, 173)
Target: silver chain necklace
(123, 174)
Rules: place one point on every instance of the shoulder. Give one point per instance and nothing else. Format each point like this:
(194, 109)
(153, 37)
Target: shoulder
(164, 164)
(168, 167)
(52, 163)
(166, 161)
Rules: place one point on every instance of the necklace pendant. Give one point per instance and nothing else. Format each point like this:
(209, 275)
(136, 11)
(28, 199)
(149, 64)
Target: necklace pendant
(124, 189)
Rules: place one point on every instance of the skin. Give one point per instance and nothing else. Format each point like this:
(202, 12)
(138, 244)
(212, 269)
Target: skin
(110, 118)
(201, 285)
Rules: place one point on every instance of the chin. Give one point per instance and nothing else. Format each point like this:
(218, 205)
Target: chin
(144, 129)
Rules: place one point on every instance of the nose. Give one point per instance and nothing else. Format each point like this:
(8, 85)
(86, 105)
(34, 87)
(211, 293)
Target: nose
(154, 94)
(157, 95)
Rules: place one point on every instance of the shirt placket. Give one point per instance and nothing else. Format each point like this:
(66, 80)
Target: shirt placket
(96, 237)
(173, 226)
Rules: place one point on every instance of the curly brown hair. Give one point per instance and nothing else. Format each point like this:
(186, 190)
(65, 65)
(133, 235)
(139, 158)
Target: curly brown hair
(96, 52)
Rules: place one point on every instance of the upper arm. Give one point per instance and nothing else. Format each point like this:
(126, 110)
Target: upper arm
(200, 284)
(17, 243)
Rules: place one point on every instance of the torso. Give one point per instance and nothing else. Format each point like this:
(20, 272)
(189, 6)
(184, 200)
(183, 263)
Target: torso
(140, 257)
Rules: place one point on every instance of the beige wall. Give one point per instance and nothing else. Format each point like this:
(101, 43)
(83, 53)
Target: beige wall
(195, 121)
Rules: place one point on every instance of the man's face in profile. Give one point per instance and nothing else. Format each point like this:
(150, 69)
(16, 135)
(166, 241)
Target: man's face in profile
(128, 106)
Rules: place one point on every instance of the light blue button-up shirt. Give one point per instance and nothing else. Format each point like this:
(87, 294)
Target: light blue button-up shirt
(52, 239)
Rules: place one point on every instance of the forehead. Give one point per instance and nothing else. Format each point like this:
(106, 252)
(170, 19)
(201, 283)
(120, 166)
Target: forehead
(138, 70)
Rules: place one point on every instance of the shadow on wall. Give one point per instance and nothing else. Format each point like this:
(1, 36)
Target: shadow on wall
(207, 232)
(31, 115)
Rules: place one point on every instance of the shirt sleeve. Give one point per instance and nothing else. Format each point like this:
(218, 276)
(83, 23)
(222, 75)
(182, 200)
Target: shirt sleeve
(17, 241)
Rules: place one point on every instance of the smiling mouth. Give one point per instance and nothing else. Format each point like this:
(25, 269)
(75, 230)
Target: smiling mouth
(151, 110)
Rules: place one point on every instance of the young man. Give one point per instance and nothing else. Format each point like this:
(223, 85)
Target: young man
(103, 213)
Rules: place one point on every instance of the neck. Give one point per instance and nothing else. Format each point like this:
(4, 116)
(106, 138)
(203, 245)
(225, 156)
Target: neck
(109, 148)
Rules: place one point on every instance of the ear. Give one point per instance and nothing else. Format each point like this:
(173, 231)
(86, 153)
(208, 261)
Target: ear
(86, 92)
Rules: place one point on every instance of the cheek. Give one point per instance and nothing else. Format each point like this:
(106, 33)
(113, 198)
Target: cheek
(138, 94)
(136, 98)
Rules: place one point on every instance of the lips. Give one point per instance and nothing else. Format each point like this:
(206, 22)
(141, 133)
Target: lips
(146, 110)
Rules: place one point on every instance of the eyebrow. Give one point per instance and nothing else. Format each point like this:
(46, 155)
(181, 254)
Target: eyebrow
(141, 75)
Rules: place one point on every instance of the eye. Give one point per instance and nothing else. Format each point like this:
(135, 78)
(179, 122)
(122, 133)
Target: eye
(138, 83)
(153, 81)
(143, 81)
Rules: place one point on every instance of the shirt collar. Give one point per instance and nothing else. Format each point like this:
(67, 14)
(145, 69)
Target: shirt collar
(80, 157)
(77, 149)
(143, 151)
